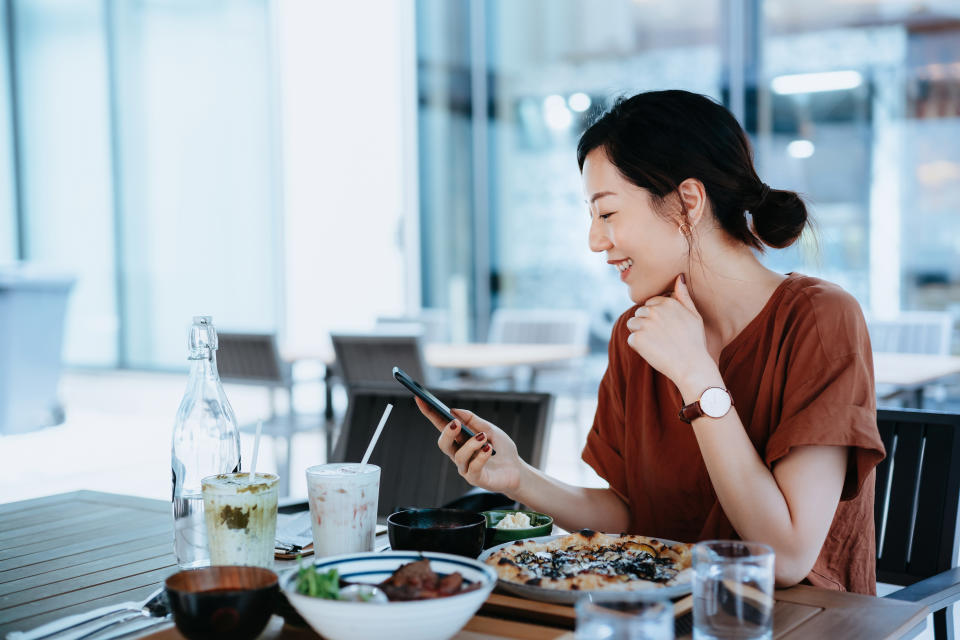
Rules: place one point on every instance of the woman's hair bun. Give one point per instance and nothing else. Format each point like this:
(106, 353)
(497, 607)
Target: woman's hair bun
(779, 218)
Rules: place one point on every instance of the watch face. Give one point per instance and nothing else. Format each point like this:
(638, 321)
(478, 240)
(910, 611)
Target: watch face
(715, 402)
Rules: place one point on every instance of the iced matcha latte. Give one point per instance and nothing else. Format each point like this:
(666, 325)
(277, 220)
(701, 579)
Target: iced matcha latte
(241, 518)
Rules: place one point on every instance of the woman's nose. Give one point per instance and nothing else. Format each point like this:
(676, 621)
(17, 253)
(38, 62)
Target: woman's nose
(598, 238)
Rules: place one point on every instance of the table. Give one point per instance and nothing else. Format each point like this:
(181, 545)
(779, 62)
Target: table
(454, 356)
(73, 552)
(911, 371)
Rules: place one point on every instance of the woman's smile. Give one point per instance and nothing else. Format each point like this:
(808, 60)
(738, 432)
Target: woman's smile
(623, 266)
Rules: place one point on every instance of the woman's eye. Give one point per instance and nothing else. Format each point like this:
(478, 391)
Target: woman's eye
(604, 216)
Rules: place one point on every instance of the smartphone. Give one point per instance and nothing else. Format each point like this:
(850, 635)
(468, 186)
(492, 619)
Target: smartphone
(435, 404)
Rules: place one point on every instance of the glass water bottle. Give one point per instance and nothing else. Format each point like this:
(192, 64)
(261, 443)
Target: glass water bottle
(206, 441)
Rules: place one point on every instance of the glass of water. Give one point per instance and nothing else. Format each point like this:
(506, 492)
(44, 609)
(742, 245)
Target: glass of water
(621, 617)
(732, 590)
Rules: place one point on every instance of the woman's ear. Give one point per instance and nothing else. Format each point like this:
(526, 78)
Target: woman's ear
(693, 195)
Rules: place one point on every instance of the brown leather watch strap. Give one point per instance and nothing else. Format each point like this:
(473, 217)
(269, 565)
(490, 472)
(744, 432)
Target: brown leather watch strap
(691, 412)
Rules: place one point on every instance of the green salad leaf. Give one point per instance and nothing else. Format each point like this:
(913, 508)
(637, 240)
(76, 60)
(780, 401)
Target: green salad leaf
(319, 585)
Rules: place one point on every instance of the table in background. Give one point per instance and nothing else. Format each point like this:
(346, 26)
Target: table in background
(74, 552)
(460, 357)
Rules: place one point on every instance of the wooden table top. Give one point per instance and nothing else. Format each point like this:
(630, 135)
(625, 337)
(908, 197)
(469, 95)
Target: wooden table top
(912, 369)
(74, 552)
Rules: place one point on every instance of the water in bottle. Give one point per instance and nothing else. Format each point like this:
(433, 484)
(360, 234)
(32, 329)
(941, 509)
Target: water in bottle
(206, 442)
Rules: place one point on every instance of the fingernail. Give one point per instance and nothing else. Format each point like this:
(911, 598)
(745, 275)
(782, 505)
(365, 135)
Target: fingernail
(481, 435)
(453, 425)
(683, 278)
(485, 448)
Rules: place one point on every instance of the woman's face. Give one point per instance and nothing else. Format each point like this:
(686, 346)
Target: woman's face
(625, 224)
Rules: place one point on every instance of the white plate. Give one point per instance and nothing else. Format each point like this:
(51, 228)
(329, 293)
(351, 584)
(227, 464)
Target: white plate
(570, 597)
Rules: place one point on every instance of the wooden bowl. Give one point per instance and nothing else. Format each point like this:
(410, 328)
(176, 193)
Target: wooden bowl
(220, 603)
(442, 530)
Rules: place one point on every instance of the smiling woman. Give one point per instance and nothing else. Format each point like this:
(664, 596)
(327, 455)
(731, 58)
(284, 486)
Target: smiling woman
(738, 402)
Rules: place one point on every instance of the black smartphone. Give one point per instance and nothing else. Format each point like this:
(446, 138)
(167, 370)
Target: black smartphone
(420, 391)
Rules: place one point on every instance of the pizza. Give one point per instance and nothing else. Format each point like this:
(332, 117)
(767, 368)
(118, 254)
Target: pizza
(591, 561)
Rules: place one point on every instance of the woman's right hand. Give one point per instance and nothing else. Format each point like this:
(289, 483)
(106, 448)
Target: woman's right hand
(474, 458)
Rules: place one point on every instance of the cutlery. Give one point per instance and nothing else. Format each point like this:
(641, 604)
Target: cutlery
(74, 623)
(81, 619)
(154, 608)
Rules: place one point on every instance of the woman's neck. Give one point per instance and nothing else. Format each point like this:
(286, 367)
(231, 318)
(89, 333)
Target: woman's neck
(730, 287)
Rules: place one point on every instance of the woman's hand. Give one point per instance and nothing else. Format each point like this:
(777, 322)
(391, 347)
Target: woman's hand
(668, 333)
(474, 458)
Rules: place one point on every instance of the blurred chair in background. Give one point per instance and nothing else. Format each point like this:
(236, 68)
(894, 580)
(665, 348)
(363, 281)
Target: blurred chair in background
(254, 359)
(367, 360)
(414, 472)
(912, 332)
(544, 326)
(33, 307)
(926, 332)
(433, 324)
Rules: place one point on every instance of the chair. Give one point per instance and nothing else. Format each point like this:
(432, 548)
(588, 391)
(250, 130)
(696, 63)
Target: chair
(541, 326)
(413, 470)
(910, 332)
(915, 512)
(432, 324)
(254, 359)
(366, 360)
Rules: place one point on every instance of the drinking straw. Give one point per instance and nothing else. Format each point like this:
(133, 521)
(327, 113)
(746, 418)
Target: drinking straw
(376, 434)
(256, 448)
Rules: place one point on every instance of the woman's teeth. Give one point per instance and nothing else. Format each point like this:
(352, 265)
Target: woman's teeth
(626, 264)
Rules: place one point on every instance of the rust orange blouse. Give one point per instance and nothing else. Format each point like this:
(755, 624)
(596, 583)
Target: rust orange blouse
(800, 373)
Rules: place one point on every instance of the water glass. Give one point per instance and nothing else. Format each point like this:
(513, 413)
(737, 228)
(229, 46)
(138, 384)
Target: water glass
(621, 617)
(732, 590)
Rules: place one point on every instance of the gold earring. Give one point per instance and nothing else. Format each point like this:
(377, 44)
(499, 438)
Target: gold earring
(684, 228)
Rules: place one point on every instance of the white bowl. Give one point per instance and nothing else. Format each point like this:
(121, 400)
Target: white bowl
(435, 619)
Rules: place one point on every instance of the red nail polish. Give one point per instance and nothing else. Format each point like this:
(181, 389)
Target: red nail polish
(683, 278)
(453, 425)
(481, 436)
(485, 448)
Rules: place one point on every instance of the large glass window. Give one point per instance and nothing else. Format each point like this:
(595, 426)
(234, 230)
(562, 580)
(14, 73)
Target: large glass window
(854, 105)
(199, 222)
(552, 66)
(65, 162)
(8, 191)
(146, 154)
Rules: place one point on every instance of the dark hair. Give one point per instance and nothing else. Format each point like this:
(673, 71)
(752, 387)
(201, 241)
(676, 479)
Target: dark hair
(658, 139)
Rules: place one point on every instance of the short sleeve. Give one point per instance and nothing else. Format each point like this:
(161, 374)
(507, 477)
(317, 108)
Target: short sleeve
(604, 448)
(832, 405)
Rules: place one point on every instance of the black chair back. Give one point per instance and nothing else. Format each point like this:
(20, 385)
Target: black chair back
(251, 358)
(414, 472)
(368, 360)
(917, 497)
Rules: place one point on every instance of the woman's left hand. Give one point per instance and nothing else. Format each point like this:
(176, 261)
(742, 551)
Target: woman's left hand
(668, 333)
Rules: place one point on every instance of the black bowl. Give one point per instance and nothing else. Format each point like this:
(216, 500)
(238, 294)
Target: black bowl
(444, 530)
(217, 603)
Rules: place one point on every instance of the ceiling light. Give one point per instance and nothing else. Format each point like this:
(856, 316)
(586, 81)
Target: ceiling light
(579, 102)
(816, 82)
(800, 149)
(556, 114)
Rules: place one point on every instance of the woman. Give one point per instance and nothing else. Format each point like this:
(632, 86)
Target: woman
(737, 402)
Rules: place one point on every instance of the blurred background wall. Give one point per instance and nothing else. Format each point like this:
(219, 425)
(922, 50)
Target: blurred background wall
(294, 166)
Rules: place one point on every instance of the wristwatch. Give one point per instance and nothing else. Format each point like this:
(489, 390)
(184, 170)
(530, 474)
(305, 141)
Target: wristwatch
(715, 402)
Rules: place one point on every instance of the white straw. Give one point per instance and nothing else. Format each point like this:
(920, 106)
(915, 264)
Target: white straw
(376, 434)
(256, 449)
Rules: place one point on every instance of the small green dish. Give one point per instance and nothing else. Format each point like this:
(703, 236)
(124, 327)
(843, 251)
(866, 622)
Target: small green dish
(542, 526)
